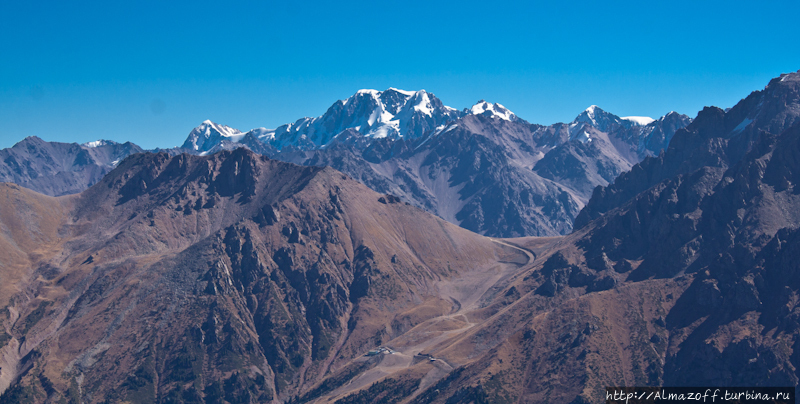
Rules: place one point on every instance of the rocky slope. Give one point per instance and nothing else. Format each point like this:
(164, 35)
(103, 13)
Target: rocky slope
(496, 175)
(236, 277)
(715, 138)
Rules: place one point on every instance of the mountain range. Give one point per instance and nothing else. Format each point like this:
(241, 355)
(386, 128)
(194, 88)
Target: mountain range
(57, 169)
(482, 168)
(234, 277)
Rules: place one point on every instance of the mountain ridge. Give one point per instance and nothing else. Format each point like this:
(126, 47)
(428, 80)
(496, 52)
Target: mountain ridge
(235, 277)
(392, 141)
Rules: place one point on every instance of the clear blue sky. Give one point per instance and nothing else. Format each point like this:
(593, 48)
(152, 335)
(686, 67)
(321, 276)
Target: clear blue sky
(150, 71)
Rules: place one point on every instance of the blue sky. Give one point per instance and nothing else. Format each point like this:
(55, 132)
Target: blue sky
(149, 72)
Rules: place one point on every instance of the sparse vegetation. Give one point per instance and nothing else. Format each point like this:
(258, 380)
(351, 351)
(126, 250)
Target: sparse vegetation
(19, 394)
(495, 390)
(338, 379)
(36, 315)
(4, 339)
(139, 385)
(387, 391)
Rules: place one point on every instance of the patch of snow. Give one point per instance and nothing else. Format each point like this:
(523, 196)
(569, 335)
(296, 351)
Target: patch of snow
(381, 132)
(235, 138)
(740, 127)
(639, 120)
(96, 143)
(114, 163)
(386, 117)
(263, 133)
(404, 92)
(225, 131)
(444, 129)
(424, 105)
(479, 107)
(373, 117)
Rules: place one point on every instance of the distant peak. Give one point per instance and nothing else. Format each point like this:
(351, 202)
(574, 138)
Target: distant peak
(223, 130)
(494, 110)
(207, 134)
(600, 119)
(96, 143)
(29, 139)
(593, 112)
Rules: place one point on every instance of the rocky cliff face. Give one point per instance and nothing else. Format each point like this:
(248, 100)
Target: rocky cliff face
(714, 139)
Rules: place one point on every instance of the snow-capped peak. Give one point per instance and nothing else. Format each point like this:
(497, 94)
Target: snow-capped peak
(494, 110)
(96, 143)
(600, 119)
(639, 120)
(223, 130)
(208, 134)
(369, 114)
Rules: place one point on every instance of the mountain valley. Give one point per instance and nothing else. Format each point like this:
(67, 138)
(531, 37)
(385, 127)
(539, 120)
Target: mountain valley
(395, 250)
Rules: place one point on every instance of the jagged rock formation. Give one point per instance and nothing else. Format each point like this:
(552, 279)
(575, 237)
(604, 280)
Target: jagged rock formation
(714, 139)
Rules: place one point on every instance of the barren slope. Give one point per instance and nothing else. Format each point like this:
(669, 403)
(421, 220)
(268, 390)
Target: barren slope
(228, 275)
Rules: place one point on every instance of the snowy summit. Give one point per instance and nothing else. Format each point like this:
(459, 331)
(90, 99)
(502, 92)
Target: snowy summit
(208, 134)
(369, 114)
(493, 110)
